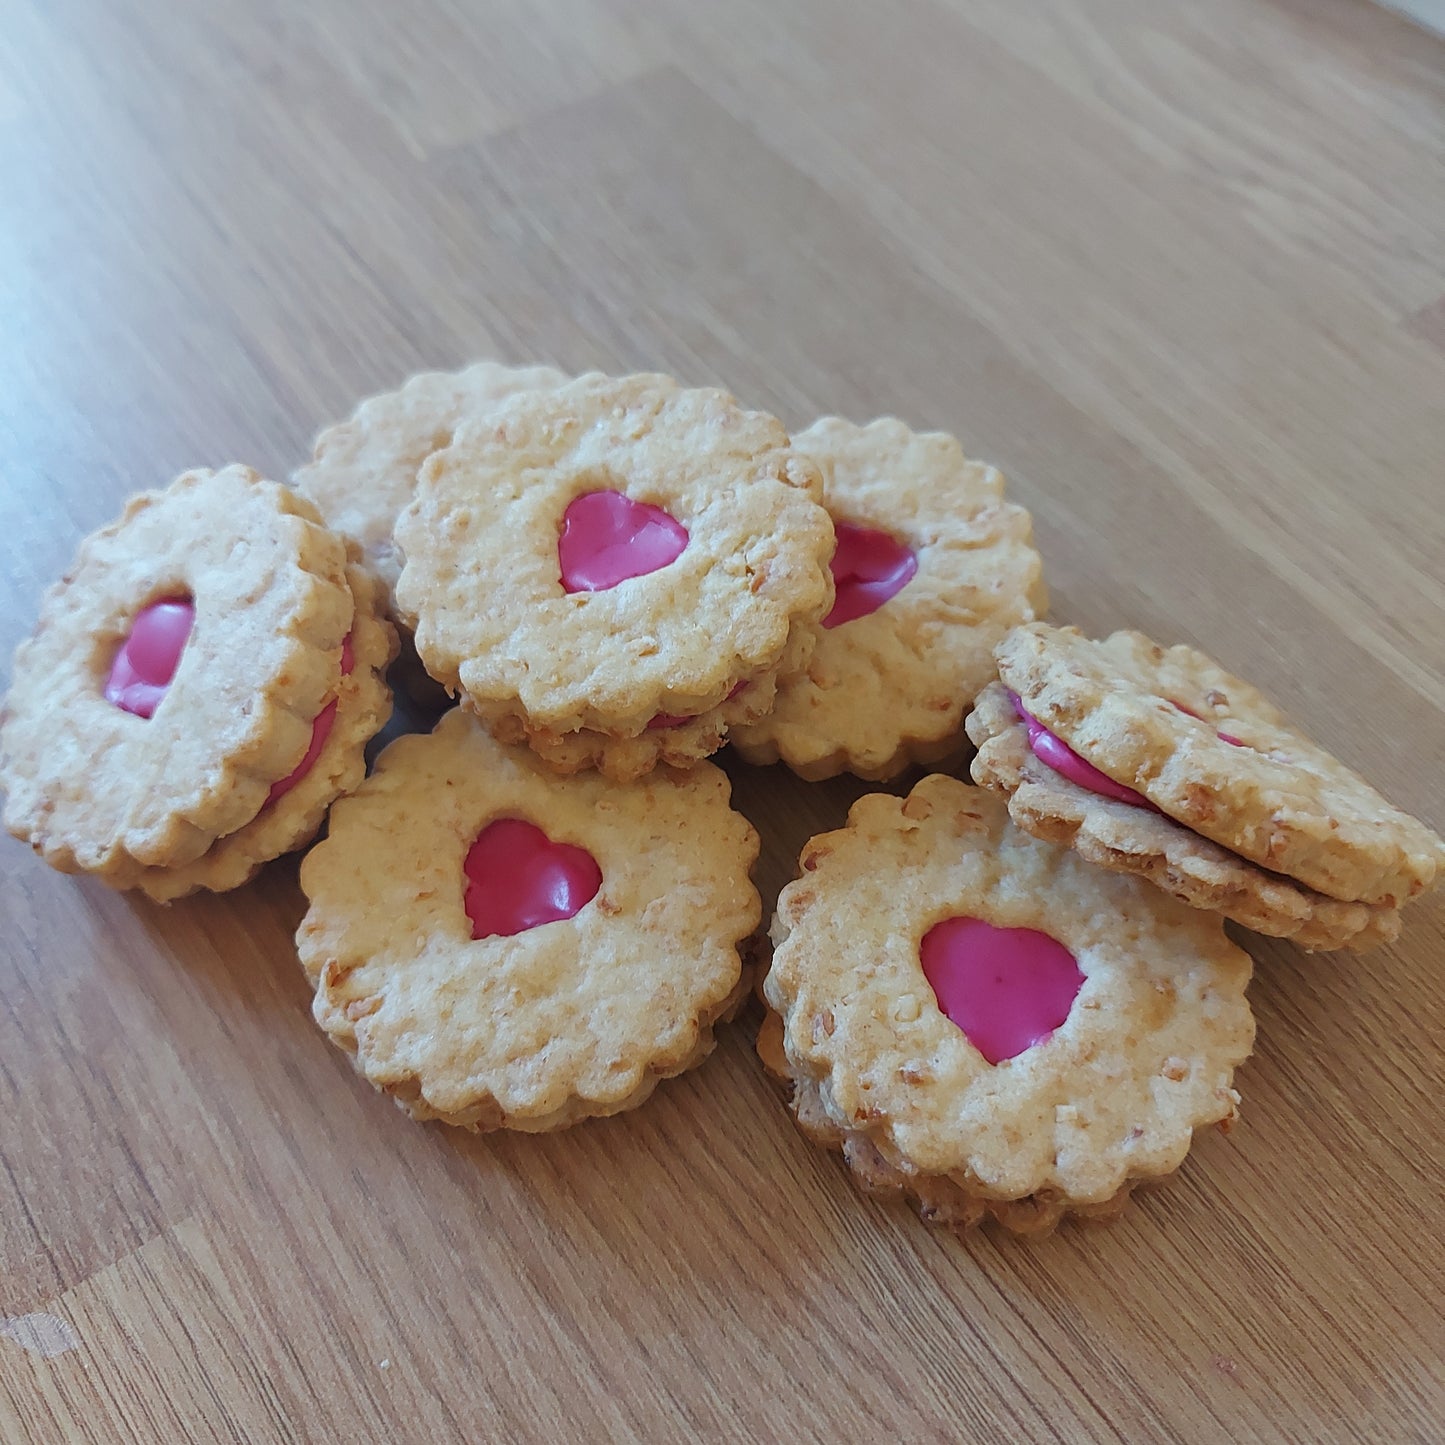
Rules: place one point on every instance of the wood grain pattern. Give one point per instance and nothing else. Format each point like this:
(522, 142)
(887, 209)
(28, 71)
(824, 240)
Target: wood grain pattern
(1177, 269)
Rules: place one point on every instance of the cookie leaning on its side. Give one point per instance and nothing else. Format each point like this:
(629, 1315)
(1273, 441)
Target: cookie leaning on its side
(1158, 762)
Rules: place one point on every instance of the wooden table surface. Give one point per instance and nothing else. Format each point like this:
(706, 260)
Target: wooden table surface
(1177, 268)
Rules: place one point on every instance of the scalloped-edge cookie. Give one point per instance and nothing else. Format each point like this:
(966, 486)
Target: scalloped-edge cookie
(1130, 839)
(611, 551)
(989, 1025)
(174, 674)
(363, 470)
(334, 765)
(933, 567)
(498, 947)
(1212, 752)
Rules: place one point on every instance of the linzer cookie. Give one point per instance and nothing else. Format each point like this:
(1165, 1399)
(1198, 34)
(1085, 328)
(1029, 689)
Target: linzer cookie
(1157, 762)
(174, 676)
(498, 947)
(333, 765)
(933, 567)
(988, 1025)
(616, 557)
(363, 470)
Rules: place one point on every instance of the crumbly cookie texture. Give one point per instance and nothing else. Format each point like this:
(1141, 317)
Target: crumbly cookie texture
(363, 470)
(571, 1019)
(680, 744)
(938, 1198)
(1278, 800)
(481, 582)
(363, 705)
(890, 688)
(94, 788)
(1111, 1098)
(1150, 845)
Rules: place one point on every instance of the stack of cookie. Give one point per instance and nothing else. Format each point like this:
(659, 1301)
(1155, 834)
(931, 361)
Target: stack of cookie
(1014, 1001)
(200, 687)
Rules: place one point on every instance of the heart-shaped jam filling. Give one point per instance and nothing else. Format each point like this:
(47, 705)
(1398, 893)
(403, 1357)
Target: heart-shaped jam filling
(1229, 738)
(869, 567)
(607, 538)
(148, 658)
(1006, 988)
(1055, 753)
(320, 731)
(517, 878)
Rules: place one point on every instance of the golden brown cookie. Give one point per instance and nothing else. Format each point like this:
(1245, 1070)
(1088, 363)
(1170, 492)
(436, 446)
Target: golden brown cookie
(991, 1026)
(1214, 754)
(363, 470)
(174, 674)
(932, 569)
(334, 764)
(498, 947)
(613, 552)
(1130, 839)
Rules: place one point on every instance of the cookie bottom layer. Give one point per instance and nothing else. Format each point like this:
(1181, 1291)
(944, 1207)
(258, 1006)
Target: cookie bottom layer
(938, 1198)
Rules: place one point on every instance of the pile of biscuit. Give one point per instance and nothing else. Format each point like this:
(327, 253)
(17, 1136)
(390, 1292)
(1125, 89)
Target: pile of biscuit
(1013, 1001)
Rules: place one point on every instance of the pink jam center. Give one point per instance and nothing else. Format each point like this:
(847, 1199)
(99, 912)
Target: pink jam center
(869, 567)
(148, 658)
(1229, 738)
(1055, 753)
(607, 538)
(517, 878)
(1006, 988)
(676, 720)
(320, 731)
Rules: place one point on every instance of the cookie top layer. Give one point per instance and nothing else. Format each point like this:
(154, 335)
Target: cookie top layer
(363, 470)
(482, 582)
(1136, 840)
(1214, 753)
(512, 1031)
(92, 786)
(357, 713)
(1144, 1056)
(904, 674)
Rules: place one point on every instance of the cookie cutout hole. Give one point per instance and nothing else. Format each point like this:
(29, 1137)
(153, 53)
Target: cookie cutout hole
(1053, 752)
(146, 663)
(868, 567)
(516, 878)
(320, 731)
(607, 538)
(1006, 988)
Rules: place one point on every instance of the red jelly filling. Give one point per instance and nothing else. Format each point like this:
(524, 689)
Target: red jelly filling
(1055, 753)
(517, 878)
(1006, 988)
(607, 538)
(146, 663)
(320, 731)
(869, 567)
